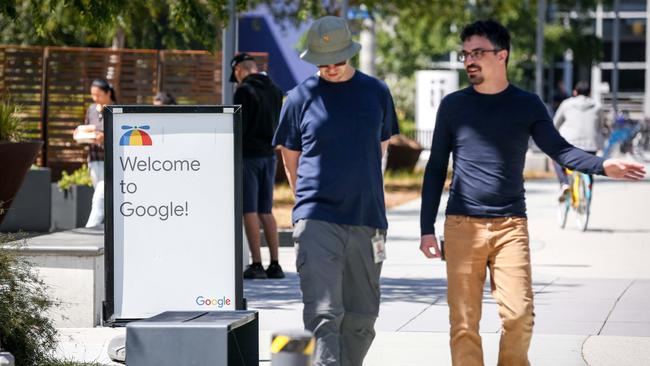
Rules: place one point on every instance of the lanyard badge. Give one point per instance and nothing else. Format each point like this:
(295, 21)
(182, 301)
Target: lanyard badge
(378, 247)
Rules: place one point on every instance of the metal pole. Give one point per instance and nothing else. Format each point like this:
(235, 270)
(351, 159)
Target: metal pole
(596, 72)
(228, 52)
(539, 48)
(345, 4)
(568, 70)
(367, 40)
(646, 98)
(615, 56)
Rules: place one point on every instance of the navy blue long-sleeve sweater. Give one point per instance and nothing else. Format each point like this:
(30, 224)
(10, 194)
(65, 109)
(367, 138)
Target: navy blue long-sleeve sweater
(488, 135)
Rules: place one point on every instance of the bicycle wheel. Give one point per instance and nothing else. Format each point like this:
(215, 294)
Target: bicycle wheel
(640, 149)
(584, 202)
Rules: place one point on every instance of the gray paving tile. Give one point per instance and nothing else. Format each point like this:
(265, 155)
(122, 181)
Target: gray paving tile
(629, 329)
(434, 319)
(394, 315)
(631, 313)
(543, 326)
(573, 310)
(595, 289)
(556, 350)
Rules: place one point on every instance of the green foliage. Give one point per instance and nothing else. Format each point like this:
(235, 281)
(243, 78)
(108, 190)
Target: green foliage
(80, 177)
(159, 24)
(407, 127)
(412, 35)
(10, 121)
(25, 330)
(57, 22)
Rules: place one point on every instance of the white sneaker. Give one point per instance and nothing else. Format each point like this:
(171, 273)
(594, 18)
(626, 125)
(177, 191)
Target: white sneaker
(564, 190)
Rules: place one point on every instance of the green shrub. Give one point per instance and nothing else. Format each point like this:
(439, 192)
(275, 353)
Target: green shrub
(10, 121)
(25, 330)
(80, 177)
(407, 127)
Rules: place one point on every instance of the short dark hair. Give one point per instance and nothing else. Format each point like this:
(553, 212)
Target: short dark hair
(582, 88)
(496, 33)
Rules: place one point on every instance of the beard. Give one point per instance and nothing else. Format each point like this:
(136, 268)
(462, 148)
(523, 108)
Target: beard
(475, 78)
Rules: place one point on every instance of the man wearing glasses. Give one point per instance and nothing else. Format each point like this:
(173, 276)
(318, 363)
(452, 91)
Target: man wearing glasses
(334, 128)
(487, 127)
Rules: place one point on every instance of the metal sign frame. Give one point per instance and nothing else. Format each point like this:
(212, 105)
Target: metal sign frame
(109, 249)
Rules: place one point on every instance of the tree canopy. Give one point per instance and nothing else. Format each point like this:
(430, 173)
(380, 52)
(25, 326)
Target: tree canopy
(170, 24)
(411, 34)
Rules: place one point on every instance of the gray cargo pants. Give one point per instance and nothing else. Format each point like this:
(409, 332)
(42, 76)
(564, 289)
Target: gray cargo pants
(339, 280)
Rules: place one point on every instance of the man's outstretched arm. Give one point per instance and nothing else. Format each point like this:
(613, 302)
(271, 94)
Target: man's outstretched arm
(554, 145)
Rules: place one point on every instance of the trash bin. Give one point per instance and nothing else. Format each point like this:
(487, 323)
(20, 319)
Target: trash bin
(216, 338)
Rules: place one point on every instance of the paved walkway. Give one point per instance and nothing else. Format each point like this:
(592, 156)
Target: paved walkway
(592, 290)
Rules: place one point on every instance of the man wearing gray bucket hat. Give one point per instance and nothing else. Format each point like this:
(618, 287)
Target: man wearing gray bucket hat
(334, 128)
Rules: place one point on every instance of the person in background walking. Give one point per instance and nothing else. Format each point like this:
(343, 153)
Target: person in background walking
(102, 94)
(261, 101)
(333, 131)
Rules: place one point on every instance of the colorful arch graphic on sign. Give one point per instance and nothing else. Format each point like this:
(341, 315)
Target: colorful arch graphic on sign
(135, 136)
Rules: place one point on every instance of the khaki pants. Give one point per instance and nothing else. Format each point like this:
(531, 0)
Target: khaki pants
(501, 244)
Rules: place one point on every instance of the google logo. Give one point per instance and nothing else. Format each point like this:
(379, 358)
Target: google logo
(203, 301)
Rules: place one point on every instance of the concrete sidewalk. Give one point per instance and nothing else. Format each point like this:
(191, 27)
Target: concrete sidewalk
(592, 290)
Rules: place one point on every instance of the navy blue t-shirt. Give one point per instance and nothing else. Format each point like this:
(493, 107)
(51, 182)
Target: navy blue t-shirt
(338, 128)
(488, 135)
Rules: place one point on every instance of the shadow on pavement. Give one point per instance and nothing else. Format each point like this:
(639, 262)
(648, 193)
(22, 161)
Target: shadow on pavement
(285, 293)
(281, 294)
(418, 290)
(272, 293)
(618, 231)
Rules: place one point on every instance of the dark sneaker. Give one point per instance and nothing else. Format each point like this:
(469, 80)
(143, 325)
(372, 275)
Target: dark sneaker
(254, 271)
(274, 271)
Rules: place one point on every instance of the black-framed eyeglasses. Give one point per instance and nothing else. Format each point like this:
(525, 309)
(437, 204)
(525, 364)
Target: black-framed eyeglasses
(335, 65)
(475, 54)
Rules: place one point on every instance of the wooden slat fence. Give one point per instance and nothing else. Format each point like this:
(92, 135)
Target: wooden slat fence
(52, 84)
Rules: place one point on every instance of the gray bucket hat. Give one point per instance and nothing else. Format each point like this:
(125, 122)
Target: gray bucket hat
(329, 42)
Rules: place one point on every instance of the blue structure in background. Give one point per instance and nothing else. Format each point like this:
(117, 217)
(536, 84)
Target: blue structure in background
(259, 32)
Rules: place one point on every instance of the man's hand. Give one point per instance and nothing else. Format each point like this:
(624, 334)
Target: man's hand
(619, 169)
(426, 243)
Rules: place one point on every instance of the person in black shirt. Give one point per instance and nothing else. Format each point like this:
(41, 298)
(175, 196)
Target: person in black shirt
(261, 101)
(487, 127)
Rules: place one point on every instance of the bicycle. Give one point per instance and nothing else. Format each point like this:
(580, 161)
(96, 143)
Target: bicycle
(577, 197)
(641, 142)
(630, 137)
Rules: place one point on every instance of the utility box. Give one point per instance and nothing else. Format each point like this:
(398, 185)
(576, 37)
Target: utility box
(216, 338)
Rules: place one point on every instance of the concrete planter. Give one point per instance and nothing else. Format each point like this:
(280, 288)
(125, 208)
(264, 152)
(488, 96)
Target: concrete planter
(70, 207)
(71, 263)
(285, 237)
(30, 209)
(15, 160)
(403, 154)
